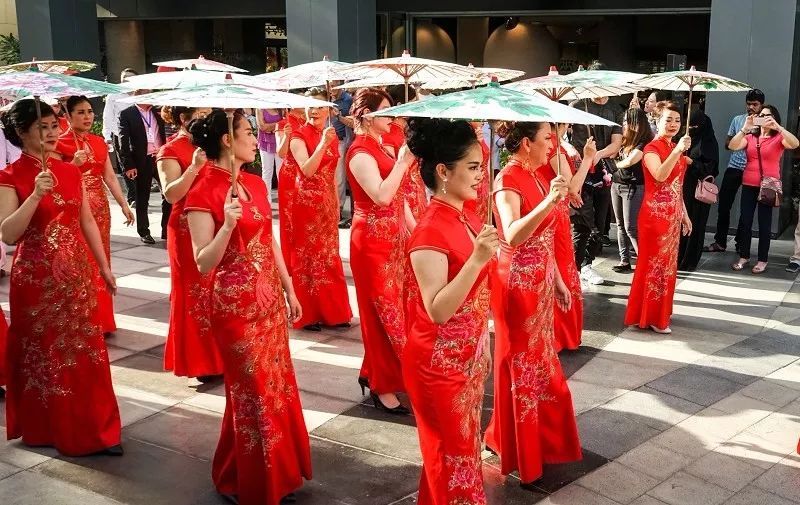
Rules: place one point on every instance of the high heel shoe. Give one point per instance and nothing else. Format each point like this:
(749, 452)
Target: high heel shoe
(364, 383)
(399, 410)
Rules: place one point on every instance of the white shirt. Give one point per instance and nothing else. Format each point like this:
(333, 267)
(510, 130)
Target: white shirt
(9, 153)
(111, 114)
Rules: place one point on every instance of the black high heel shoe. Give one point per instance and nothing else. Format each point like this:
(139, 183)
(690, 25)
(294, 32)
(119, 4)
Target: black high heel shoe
(289, 498)
(364, 383)
(230, 498)
(313, 327)
(399, 410)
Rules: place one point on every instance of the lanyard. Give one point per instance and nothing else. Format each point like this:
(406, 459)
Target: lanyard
(148, 120)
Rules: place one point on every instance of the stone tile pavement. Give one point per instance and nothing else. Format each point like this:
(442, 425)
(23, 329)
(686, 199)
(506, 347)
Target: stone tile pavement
(705, 416)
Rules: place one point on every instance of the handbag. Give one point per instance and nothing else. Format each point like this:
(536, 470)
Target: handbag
(770, 192)
(706, 191)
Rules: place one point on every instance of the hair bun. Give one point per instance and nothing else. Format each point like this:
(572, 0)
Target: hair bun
(425, 135)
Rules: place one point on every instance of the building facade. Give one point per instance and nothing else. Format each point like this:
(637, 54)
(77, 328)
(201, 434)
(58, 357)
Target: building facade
(751, 40)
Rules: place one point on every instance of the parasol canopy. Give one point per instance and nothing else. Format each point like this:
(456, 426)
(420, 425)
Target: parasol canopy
(187, 79)
(51, 66)
(200, 63)
(485, 76)
(15, 85)
(227, 96)
(307, 75)
(578, 85)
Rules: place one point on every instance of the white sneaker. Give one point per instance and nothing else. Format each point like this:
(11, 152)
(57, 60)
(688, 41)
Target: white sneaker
(590, 276)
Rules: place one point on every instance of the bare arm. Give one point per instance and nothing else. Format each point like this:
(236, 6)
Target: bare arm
(737, 142)
(112, 183)
(611, 149)
(517, 229)
(282, 141)
(660, 170)
(175, 184)
(633, 157)
(15, 218)
(310, 164)
(382, 191)
(411, 223)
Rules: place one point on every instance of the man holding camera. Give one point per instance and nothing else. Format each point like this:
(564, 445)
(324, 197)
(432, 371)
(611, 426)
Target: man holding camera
(732, 180)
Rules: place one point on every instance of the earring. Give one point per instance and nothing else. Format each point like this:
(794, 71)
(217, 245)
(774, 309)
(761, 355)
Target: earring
(444, 188)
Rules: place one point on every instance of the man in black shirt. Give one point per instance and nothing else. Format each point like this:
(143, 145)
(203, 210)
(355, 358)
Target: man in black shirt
(589, 222)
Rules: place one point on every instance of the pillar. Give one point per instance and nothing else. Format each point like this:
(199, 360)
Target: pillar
(472, 34)
(124, 47)
(58, 29)
(756, 44)
(343, 30)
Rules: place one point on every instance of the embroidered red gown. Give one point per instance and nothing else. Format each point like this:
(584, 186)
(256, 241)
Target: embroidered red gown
(93, 170)
(568, 326)
(377, 259)
(480, 205)
(445, 366)
(190, 350)
(533, 421)
(412, 187)
(653, 287)
(59, 382)
(263, 452)
(318, 274)
(287, 188)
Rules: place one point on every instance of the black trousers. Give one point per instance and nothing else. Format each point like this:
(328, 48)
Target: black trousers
(731, 182)
(691, 248)
(586, 227)
(130, 184)
(143, 181)
(744, 233)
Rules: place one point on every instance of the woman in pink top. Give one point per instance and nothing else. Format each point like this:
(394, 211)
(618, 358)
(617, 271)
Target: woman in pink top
(767, 143)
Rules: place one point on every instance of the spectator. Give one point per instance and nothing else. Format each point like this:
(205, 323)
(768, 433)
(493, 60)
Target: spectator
(704, 154)
(649, 106)
(111, 131)
(732, 180)
(590, 219)
(343, 124)
(141, 135)
(267, 121)
(794, 262)
(627, 187)
(763, 151)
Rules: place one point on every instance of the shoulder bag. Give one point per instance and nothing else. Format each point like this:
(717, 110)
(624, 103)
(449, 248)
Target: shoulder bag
(706, 190)
(771, 190)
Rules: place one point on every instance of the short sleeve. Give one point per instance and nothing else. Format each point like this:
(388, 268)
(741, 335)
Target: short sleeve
(507, 181)
(6, 179)
(200, 197)
(428, 236)
(734, 127)
(167, 152)
(64, 150)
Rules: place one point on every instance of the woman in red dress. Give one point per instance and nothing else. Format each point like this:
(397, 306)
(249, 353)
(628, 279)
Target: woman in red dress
(3, 337)
(89, 152)
(317, 273)
(533, 421)
(287, 180)
(263, 452)
(568, 325)
(660, 221)
(377, 249)
(58, 378)
(447, 357)
(190, 350)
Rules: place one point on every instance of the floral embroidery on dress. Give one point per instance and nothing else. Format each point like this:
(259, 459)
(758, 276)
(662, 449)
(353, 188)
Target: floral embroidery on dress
(465, 475)
(531, 263)
(393, 320)
(666, 203)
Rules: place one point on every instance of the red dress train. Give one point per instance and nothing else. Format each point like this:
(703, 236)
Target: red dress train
(93, 170)
(287, 188)
(190, 350)
(653, 286)
(533, 421)
(263, 452)
(377, 259)
(317, 273)
(568, 326)
(445, 366)
(58, 377)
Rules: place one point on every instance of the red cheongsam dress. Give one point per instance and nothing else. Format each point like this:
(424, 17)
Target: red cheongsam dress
(480, 205)
(190, 350)
(317, 273)
(533, 421)
(445, 365)
(263, 452)
(377, 260)
(93, 171)
(653, 287)
(568, 326)
(412, 186)
(3, 337)
(59, 389)
(287, 187)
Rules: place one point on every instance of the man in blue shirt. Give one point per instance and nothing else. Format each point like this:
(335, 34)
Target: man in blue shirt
(343, 124)
(732, 180)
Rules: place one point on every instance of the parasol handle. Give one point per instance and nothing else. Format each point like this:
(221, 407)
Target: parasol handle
(41, 131)
(405, 79)
(490, 167)
(558, 152)
(689, 109)
(330, 109)
(234, 170)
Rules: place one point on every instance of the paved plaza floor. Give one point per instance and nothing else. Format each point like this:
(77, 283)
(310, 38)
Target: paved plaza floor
(707, 415)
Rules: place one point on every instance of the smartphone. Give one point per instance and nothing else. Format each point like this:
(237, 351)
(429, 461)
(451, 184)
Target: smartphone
(758, 121)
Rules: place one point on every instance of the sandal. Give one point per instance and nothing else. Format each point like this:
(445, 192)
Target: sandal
(714, 247)
(739, 265)
(759, 268)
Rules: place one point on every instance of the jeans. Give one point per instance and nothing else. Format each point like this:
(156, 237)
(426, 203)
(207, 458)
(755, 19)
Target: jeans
(627, 200)
(744, 233)
(144, 179)
(731, 182)
(270, 163)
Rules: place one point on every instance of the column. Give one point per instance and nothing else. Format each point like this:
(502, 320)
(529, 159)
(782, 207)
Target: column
(757, 45)
(58, 29)
(343, 30)
(473, 32)
(124, 47)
